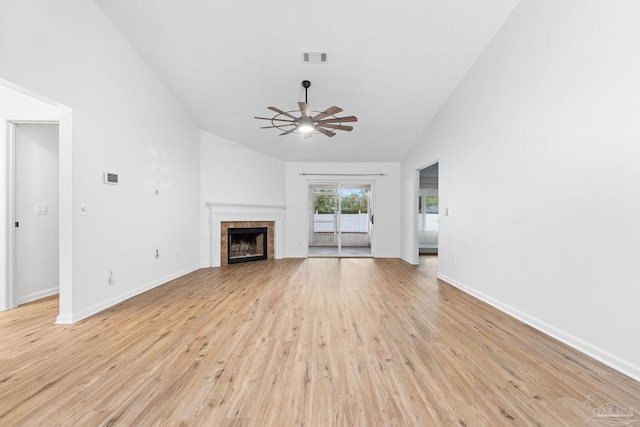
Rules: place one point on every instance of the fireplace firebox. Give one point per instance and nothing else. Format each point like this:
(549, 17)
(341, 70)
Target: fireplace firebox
(247, 244)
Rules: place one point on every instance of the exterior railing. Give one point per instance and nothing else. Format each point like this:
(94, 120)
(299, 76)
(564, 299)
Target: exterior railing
(351, 223)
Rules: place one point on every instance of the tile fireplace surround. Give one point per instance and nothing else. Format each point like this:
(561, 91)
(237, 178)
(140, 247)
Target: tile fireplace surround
(225, 215)
(224, 236)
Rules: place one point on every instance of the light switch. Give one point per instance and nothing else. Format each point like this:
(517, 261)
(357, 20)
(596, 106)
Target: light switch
(41, 209)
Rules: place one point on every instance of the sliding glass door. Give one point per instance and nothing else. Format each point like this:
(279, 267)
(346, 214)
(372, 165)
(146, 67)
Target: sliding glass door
(340, 219)
(324, 217)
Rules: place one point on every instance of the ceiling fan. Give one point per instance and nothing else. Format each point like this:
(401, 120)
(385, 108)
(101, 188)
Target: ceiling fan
(310, 121)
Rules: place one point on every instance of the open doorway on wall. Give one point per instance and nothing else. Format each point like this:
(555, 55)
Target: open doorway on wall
(428, 210)
(35, 199)
(36, 269)
(340, 220)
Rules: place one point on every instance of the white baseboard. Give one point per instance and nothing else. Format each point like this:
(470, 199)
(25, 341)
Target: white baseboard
(627, 368)
(296, 255)
(410, 261)
(385, 255)
(37, 295)
(76, 317)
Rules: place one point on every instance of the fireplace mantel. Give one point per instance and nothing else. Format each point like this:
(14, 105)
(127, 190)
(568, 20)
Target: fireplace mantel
(230, 207)
(229, 212)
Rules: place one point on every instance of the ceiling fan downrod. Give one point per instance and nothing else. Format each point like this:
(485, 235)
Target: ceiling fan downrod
(306, 84)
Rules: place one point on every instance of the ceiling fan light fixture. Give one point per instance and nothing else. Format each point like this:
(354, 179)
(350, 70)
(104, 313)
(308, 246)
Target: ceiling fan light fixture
(305, 125)
(309, 121)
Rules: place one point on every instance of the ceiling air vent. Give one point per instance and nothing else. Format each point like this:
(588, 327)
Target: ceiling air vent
(314, 57)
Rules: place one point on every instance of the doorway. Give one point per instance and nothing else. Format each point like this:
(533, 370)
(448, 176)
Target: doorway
(36, 241)
(340, 220)
(19, 105)
(428, 210)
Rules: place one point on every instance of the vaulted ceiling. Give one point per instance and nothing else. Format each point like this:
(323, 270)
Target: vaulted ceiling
(391, 64)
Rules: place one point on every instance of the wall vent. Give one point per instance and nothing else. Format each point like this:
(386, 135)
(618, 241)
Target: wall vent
(314, 57)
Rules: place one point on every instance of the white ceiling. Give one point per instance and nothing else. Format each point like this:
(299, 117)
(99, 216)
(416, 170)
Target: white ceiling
(391, 64)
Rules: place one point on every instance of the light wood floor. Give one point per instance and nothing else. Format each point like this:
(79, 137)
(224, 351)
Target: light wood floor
(315, 342)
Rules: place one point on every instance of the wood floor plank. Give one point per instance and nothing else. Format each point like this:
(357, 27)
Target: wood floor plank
(314, 342)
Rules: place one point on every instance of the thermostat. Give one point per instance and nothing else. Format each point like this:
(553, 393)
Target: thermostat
(110, 178)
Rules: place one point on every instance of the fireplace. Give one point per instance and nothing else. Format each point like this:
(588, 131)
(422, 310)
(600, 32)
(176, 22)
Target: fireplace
(225, 237)
(246, 244)
(225, 215)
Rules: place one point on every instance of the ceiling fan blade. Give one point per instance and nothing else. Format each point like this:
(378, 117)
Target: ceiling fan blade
(324, 131)
(288, 132)
(328, 112)
(339, 127)
(279, 126)
(339, 120)
(278, 120)
(304, 109)
(279, 111)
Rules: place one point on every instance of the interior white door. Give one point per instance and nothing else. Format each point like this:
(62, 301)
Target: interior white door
(36, 211)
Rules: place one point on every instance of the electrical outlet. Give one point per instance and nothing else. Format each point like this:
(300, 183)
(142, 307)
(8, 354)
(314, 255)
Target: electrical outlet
(157, 254)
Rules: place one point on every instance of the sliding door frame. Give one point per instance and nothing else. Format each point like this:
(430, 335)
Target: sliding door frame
(339, 185)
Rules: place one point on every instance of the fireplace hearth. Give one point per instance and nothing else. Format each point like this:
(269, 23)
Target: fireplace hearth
(247, 244)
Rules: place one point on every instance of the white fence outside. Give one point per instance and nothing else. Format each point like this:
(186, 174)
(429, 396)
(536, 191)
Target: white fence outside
(351, 223)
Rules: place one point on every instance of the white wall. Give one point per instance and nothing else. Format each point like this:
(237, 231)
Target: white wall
(386, 233)
(17, 105)
(538, 147)
(37, 241)
(125, 121)
(232, 173)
